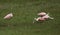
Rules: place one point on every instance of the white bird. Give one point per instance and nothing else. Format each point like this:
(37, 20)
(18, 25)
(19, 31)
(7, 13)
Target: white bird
(47, 16)
(41, 14)
(44, 16)
(39, 19)
(8, 16)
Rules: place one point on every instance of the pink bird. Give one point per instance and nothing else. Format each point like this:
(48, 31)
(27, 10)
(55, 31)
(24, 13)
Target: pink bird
(8, 16)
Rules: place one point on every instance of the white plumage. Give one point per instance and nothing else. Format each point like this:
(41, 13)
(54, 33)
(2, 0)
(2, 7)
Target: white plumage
(42, 17)
(39, 19)
(8, 16)
(42, 14)
(47, 16)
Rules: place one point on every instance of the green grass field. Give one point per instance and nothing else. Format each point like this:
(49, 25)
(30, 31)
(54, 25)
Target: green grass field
(24, 11)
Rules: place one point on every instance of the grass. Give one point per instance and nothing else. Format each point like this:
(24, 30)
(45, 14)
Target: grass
(24, 11)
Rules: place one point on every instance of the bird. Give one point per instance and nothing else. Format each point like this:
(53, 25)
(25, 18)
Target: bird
(43, 17)
(41, 14)
(47, 16)
(8, 16)
(39, 19)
